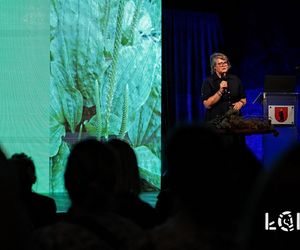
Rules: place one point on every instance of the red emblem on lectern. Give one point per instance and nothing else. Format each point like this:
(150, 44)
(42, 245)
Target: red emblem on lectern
(281, 114)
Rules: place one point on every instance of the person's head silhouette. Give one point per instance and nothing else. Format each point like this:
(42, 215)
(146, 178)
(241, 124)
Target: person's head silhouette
(90, 177)
(26, 171)
(128, 181)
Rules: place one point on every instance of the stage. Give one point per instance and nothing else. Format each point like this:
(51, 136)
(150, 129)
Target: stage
(63, 202)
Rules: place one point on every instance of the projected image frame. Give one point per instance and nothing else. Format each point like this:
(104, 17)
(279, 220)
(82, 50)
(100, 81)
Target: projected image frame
(105, 79)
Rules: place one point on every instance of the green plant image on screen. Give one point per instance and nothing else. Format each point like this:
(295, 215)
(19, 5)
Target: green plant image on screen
(105, 79)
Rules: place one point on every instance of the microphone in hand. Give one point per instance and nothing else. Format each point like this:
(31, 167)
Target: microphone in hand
(224, 78)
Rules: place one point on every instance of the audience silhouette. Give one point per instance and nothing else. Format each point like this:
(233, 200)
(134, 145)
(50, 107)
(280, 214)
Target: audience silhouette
(41, 209)
(212, 193)
(166, 204)
(90, 176)
(16, 227)
(209, 184)
(128, 188)
(91, 180)
(272, 218)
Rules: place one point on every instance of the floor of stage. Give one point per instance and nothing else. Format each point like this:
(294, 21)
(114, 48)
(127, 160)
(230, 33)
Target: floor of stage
(63, 202)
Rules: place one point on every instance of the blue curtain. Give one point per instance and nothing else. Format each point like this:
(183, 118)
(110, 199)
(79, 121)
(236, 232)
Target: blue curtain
(189, 38)
(262, 46)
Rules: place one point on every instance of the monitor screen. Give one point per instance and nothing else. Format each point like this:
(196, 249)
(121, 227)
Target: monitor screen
(280, 83)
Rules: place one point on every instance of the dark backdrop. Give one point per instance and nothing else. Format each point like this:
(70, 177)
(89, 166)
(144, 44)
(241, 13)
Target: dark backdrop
(258, 37)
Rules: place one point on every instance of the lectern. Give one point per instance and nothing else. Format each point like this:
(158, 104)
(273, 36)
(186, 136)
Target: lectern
(281, 108)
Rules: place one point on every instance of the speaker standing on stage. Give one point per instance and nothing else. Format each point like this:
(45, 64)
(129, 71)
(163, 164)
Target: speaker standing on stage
(221, 91)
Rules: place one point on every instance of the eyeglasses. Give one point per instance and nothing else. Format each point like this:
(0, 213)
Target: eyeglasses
(222, 63)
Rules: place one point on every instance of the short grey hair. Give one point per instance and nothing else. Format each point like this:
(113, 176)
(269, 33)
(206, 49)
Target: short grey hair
(216, 56)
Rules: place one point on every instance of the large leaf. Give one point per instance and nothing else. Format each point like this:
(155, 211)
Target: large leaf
(114, 129)
(57, 131)
(146, 132)
(79, 44)
(149, 164)
(146, 126)
(57, 119)
(136, 70)
(72, 105)
(58, 165)
(70, 97)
